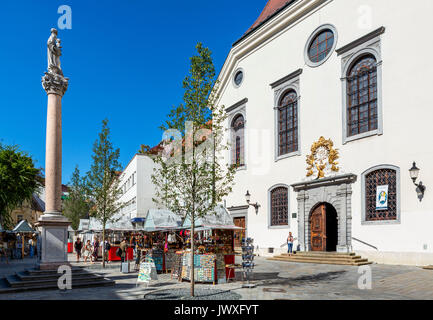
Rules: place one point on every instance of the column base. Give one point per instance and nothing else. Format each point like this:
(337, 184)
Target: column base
(54, 239)
(343, 249)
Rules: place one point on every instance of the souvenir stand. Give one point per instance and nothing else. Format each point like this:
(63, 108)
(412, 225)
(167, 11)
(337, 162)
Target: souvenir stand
(214, 241)
(162, 241)
(23, 232)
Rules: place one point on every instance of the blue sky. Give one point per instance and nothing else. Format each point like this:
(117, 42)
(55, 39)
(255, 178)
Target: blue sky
(125, 59)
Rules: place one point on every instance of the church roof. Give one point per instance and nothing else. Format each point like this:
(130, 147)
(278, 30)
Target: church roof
(272, 8)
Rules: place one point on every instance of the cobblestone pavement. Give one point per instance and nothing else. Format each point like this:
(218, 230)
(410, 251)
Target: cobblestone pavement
(274, 280)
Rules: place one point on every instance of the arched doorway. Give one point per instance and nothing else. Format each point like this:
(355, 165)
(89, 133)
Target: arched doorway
(324, 228)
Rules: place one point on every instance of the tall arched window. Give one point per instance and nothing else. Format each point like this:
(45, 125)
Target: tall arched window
(288, 123)
(362, 113)
(381, 194)
(238, 125)
(279, 198)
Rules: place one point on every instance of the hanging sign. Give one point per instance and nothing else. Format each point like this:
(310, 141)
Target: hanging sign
(382, 198)
(147, 272)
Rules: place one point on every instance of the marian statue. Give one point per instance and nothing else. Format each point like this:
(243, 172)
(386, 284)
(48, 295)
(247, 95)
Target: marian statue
(54, 53)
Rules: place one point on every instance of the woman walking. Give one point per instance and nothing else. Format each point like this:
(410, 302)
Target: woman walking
(95, 249)
(88, 251)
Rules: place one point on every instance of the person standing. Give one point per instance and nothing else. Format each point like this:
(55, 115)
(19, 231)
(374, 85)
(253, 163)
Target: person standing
(290, 241)
(95, 249)
(31, 247)
(107, 247)
(78, 246)
(3, 250)
(123, 248)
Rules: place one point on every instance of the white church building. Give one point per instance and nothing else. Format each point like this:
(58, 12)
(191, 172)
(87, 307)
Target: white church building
(329, 107)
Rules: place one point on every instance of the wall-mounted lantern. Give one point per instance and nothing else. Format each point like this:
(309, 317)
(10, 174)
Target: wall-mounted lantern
(255, 205)
(420, 188)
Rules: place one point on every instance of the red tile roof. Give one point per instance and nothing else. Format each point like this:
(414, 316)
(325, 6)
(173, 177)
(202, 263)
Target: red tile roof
(271, 8)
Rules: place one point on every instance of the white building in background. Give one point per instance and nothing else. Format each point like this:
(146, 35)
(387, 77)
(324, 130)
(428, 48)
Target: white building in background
(358, 74)
(137, 188)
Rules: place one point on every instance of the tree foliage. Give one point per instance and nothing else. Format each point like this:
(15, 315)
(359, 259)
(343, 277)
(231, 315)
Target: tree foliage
(77, 205)
(103, 181)
(19, 179)
(190, 179)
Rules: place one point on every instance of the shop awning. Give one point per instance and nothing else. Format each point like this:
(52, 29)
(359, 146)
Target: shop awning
(217, 219)
(23, 226)
(161, 220)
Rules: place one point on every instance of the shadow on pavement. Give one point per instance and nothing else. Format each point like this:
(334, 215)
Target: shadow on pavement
(266, 279)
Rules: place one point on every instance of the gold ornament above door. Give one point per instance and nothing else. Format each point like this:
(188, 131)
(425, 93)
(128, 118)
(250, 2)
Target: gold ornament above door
(322, 158)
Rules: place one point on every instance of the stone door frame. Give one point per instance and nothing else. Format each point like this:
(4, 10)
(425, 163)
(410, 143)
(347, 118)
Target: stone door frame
(336, 191)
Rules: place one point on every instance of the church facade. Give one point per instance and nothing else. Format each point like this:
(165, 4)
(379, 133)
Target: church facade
(328, 108)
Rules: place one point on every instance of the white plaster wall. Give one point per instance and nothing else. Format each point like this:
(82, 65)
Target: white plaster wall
(145, 188)
(131, 192)
(407, 116)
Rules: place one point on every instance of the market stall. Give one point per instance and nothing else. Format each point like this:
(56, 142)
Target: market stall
(162, 238)
(214, 241)
(23, 232)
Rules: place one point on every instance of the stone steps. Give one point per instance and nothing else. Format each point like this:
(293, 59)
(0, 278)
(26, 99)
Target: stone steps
(34, 279)
(350, 259)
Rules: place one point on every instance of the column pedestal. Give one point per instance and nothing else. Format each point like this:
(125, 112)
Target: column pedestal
(54, 238)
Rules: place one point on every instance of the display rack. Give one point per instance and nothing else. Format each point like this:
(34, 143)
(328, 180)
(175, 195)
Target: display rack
(248, 261)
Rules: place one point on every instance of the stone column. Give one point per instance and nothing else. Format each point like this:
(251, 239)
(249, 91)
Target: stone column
(52, 224)
(302, 197)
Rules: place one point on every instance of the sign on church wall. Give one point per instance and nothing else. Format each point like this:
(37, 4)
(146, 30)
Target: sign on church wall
(382, 198)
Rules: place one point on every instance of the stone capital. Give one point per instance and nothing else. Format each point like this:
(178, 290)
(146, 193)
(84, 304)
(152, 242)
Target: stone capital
(54, 83)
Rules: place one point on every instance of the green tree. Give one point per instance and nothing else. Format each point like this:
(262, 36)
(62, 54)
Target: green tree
(103, 181)
(19, 179)
(189, 180)
(77, 205)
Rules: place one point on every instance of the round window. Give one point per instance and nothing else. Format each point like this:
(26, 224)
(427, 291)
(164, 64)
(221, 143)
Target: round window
(320, 45)
(238, 78)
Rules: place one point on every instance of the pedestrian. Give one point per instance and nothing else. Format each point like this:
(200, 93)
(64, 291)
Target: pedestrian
(88, 251)
(18, 247)
(123, 248)
(31, 251)
(107, 247)
(95, 249)
(290, 241)
(138, 257)
(4, 251)
(78, 246)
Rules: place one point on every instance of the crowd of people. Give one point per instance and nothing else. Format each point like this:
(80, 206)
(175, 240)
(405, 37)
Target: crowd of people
(90, 250)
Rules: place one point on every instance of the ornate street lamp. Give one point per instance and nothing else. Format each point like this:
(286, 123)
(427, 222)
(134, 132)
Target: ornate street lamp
(255, 205)
(420, 188)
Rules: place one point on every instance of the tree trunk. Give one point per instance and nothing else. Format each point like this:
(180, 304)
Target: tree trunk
(192, 255)
(103, 246)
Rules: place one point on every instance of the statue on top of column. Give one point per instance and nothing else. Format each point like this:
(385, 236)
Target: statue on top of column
(54, 81)
(54, 53)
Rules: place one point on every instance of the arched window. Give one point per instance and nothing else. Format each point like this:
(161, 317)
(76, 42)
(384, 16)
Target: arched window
(288, 123)
(381, 194)
(279, 198)
(362, 113)
(238, 125)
